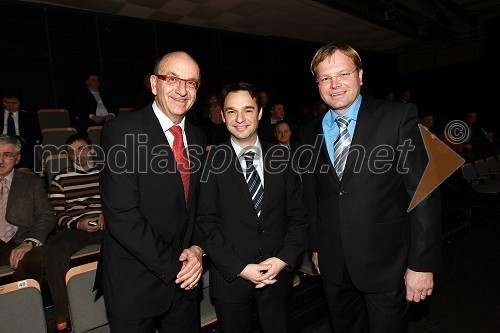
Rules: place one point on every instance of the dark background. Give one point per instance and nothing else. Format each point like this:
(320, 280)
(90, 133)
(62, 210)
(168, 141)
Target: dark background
(47, 50)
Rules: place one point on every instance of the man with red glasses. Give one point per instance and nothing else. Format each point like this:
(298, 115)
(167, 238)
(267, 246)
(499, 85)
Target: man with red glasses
(149, 267)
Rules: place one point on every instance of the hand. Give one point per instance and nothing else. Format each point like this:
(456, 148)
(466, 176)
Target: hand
(17, 254)
(108, 117)
(207, 148)
(97, 119)
(85, 226)
(192, 267)
(418, 285)
(314, 259)
(100, 222)
(276, 266)
(253, 271)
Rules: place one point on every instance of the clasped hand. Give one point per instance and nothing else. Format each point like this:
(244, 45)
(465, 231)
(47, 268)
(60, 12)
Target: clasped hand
(192, 267)
(264, 273)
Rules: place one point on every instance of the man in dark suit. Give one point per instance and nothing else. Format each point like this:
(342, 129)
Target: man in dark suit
(366, 163)
(92, 106)
(251, 221)
(149, 190)
(21, 124)
(26, 215)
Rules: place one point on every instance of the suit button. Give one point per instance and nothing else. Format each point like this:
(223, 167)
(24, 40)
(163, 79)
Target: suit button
(260, 231)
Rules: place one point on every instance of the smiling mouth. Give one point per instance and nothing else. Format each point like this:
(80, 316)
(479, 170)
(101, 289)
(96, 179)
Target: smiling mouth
(337, 94)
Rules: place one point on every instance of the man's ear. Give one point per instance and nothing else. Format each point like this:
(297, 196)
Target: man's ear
(223, 118)
(260, 113)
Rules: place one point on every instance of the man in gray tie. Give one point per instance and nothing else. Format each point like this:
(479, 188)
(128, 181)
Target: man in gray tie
(366, 161)
(26, 216)
(250, 221)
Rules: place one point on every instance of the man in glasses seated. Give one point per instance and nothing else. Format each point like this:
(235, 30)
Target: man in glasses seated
(26, 216)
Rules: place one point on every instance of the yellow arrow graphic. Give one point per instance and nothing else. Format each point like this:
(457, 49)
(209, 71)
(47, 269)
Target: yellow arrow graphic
(443, 161)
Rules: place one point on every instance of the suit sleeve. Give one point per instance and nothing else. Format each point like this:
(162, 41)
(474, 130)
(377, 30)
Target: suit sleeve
(209, 229)
(425, 218)
(43, 212)
(296, 230)
(121, 197)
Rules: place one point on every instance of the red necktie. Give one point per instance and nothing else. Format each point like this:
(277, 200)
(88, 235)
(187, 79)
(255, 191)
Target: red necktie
(181, 158)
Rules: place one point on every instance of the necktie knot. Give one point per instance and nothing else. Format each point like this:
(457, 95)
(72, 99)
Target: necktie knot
(249, 156)
(343, 122)
(176, 131)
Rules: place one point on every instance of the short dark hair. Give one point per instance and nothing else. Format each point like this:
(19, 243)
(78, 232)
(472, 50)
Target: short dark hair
(239, 86)
(76, 137)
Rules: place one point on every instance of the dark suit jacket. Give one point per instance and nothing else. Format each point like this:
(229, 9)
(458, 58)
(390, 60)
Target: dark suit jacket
(362, 221)
(28, 208)
(29, 135)
(147, 221)
(233, 235)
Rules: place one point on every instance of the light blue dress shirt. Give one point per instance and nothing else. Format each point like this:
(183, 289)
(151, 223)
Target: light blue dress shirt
(331, 129)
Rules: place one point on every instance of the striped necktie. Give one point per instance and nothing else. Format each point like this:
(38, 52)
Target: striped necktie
(7, 230)
(253, 181)
(341, 146)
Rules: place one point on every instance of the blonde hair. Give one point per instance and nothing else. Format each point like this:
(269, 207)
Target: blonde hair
(328, 50)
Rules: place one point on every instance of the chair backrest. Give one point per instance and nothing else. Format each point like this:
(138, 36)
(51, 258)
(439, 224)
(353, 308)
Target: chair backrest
(22, 307)
(469, 172)
(94, 133)
(481, 168)
(6, 270)
(55, 164)
(53, 118)
(493, 164)
(57, 136)
(207, 309)
(87, 312)
(124, 111)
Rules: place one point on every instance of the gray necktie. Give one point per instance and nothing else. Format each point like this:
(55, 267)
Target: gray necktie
(341, 147)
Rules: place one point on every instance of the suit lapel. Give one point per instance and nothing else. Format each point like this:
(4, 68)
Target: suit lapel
(364, 126)
(239, 177)
(15, 187)
(157, 137)
(268, 176)
(323, 151)
(194, 155)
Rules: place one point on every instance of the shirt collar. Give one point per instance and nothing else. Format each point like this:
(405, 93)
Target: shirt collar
(9, 177)
(165, 121)
(352, 112)
(256, 148)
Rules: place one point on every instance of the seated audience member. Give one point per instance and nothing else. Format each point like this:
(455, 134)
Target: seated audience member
(92, 106)
(427, 120)
(215, 130)
(265, 130)
(26, 216)
(389, 96)
(406, 97)
(74, 193)
(479, 140)
(21, 124)
(283, 133)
